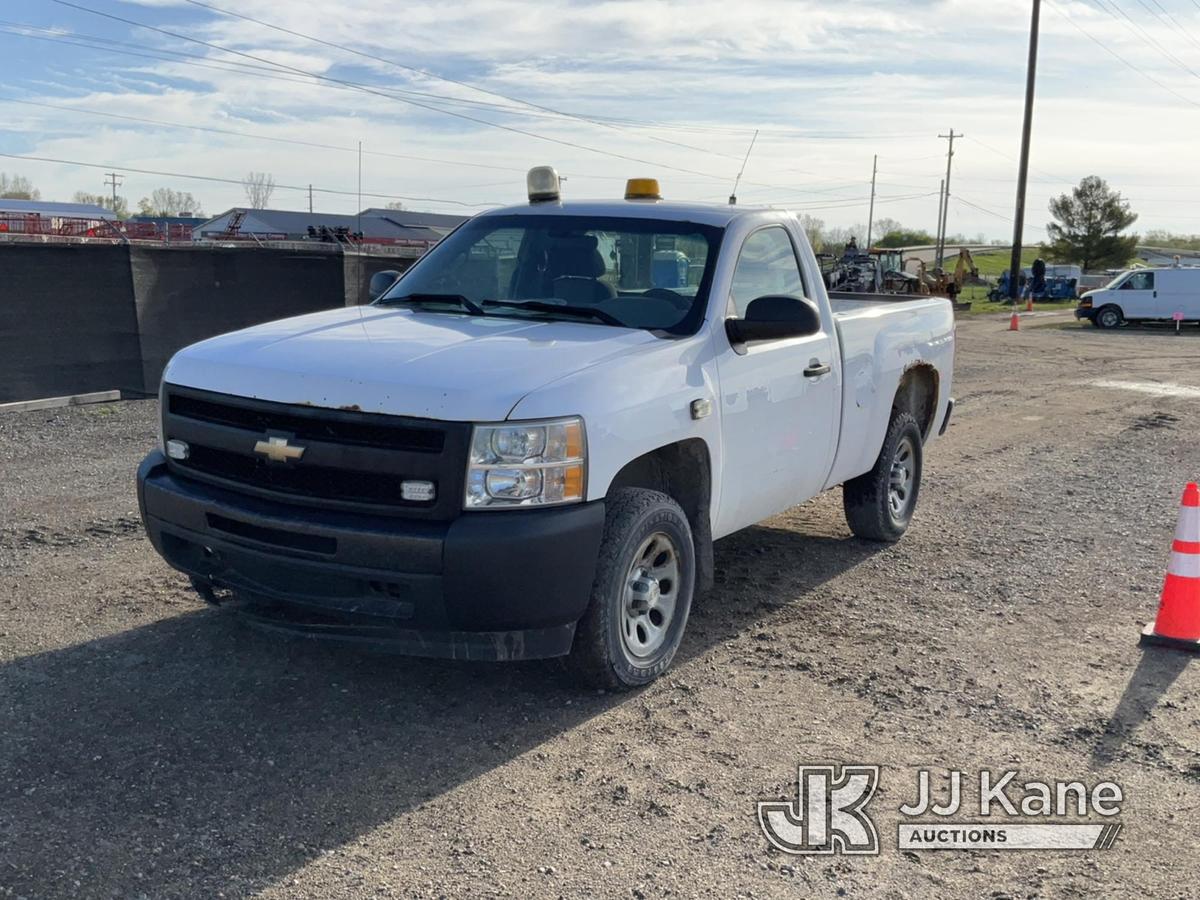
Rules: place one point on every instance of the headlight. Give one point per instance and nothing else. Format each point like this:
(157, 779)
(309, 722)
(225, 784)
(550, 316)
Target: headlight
(527, 464)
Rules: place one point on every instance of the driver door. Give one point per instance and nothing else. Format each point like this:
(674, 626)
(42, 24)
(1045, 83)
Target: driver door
(780, 399)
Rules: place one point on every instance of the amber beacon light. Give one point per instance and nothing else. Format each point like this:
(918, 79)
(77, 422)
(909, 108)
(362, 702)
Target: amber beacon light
(642, 189)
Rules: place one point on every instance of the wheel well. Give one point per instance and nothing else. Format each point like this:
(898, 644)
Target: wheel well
(683, 472)
(918, 395)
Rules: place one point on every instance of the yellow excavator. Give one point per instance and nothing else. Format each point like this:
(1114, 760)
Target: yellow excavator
(941, 282)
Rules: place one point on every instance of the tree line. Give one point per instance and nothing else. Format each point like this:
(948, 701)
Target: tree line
(1087, 228)
(161, 202)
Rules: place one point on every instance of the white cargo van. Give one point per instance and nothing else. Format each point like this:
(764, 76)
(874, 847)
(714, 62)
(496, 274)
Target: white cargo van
(1144, 294)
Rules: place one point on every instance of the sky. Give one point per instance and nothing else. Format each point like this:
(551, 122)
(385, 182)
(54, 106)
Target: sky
(453, 102)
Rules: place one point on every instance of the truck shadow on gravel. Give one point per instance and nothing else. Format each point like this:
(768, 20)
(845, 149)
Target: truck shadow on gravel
(195, 755)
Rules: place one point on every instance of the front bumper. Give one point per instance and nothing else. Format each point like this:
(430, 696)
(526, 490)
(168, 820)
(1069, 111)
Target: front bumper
(487, 585)
(1084, 312)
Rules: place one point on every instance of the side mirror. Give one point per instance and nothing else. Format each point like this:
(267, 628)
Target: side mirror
(772, 318)
(381, 281)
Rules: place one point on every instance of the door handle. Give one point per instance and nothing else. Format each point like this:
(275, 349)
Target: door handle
(816, 369)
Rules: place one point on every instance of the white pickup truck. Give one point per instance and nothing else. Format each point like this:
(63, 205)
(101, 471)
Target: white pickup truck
(527, 444)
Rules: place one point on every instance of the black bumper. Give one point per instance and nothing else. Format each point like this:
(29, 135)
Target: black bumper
(486, 585)
(1084, 312)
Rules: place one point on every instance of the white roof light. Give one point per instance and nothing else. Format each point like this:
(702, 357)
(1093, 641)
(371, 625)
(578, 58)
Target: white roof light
(543, 184)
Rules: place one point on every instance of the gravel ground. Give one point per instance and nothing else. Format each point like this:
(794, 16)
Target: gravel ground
(152, 747)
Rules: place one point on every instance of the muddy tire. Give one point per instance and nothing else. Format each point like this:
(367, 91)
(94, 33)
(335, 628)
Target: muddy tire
(642, 594)
(880, 504)
(1109, 316)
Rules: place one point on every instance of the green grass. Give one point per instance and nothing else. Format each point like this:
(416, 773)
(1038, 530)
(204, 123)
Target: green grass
(991, 264)
(977, 294)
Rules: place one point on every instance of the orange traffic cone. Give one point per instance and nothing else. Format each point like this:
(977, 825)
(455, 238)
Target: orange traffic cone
(1014, 324)
(1178, 622)
(1029, 304)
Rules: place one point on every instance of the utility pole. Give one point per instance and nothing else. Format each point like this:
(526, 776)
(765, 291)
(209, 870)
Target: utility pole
(310, 199)
(941, 244)
(115, 180)
(871, 214)
(937, 235)
(1014, 269)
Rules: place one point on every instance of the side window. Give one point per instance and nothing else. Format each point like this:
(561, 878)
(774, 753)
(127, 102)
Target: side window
(766, 265)
(1139, 281)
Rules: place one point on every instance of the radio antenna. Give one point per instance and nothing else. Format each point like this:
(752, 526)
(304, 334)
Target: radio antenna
(736, 181)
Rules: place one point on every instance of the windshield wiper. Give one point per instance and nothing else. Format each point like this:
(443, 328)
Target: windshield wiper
(538, 306)
(465, 302)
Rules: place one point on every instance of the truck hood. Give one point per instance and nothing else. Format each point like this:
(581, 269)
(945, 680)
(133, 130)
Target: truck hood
(399, 361)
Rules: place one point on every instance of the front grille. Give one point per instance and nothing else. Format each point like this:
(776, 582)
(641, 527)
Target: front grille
(350, 459)
(310, 427)
(308, 481)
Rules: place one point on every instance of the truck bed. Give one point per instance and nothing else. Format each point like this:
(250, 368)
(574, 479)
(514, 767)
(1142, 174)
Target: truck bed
(881, 337)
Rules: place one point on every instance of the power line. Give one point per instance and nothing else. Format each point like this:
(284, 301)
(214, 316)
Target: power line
(602, 121)
(991, 212)
(108, 45)
(807, 206)
(429, 74)
(1146, 36)
(1172, 21)
(386, 95)
(1054, 178)
(273, 74)
(328, 78)
(1111, 52)
(214, 178)
(260, 137)
(105, 45)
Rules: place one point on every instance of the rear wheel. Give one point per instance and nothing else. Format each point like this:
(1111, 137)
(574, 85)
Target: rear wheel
(642, 594)
(880, 503)
(1109, 316)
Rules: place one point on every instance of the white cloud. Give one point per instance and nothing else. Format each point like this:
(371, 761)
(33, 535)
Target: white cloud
(828, 85)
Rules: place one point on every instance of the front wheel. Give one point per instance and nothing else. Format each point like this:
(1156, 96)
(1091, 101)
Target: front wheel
(880, 503)
(645, 575)
(1109, 316)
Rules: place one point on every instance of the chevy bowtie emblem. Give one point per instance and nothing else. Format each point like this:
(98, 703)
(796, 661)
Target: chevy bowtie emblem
(277, 449)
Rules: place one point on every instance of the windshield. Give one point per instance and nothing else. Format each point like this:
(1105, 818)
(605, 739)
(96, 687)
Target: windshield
(1112, 284)
(636, 273)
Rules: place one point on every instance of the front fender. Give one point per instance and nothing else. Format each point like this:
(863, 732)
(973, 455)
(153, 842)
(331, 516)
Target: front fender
(636, 404)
